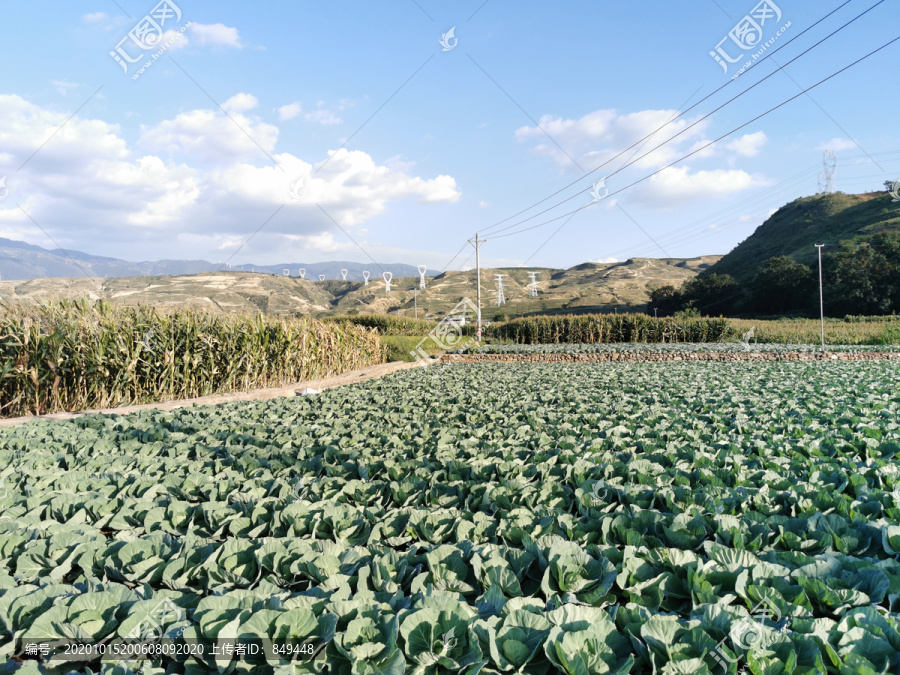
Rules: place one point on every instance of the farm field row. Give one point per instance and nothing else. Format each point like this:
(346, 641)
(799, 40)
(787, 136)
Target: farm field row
(664, 348)
(590, 519)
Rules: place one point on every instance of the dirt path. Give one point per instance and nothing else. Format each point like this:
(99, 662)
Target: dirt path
(351, 377)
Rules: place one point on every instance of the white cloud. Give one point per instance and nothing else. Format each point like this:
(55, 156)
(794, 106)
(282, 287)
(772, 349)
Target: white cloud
(483, 204)
(399, 163)
(837, 144)
(215, 34)
(601, 135)
(172, 40)
(607, 261)
(241, 103)
(95, 17)
(605, 135)
(62, 86)
(289, 111)
(748, 145)
(323, 242)
(677, 185)
(213, 137)
(90, 189)
(325, 116)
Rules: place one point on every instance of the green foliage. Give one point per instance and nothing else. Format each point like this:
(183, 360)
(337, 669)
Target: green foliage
(689, 312)
(711, 294)
(782, 284)
(581, 519)
(665, 299)
(733, 346)
(77, 356)
(398, 347)
(387, 325)
(858, 318)
(796, 227)
(865, 279)
(608, 328)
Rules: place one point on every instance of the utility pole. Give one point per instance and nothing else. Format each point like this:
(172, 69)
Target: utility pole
(655, 315)
(416, 300)
(821, 295)
(477, 245)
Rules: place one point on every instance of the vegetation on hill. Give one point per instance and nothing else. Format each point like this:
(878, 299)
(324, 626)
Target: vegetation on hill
(775, 271)
(794, 230)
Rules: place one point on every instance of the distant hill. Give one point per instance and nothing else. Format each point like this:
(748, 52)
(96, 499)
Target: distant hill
(587, 287)
(20, 261)
(794, 230)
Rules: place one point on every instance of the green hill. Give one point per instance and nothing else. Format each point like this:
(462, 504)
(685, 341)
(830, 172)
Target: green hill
(794, 230)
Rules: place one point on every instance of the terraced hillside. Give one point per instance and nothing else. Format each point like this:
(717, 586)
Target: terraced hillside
(596, 286)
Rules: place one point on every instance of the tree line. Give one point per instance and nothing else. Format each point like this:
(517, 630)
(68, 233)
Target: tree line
(860, 278)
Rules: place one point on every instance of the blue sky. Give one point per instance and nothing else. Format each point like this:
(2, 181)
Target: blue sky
(427, 146)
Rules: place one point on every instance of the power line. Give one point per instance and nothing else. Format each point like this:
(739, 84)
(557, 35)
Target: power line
(764, 200)
(705, 117)
(673, 236)
(703, 100)
(559, 229)
(711, 143)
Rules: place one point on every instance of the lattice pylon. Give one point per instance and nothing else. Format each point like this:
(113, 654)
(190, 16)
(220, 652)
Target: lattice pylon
(829, 168)
(534, 288)
(501, 297)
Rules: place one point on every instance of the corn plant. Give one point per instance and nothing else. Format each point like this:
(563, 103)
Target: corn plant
(65, 355)
(609, 328)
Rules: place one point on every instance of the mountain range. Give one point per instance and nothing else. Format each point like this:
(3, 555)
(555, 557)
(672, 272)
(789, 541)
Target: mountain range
(20, 261)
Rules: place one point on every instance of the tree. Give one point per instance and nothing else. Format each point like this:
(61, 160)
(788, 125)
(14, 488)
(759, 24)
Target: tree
(780, 285)
(710, 293)
(865, 278)
(665, 299)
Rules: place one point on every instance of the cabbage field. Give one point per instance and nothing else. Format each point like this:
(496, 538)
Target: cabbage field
(530, 518)
(666, 348)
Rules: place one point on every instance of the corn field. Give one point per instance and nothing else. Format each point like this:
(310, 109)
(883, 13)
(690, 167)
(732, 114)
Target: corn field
(808, 331)
(66, 356)
(388, 325)
(608, 328)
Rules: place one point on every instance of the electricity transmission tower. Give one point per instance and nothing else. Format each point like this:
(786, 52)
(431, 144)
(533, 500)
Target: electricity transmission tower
(826, 178)
(501, 298)
(534, 289)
